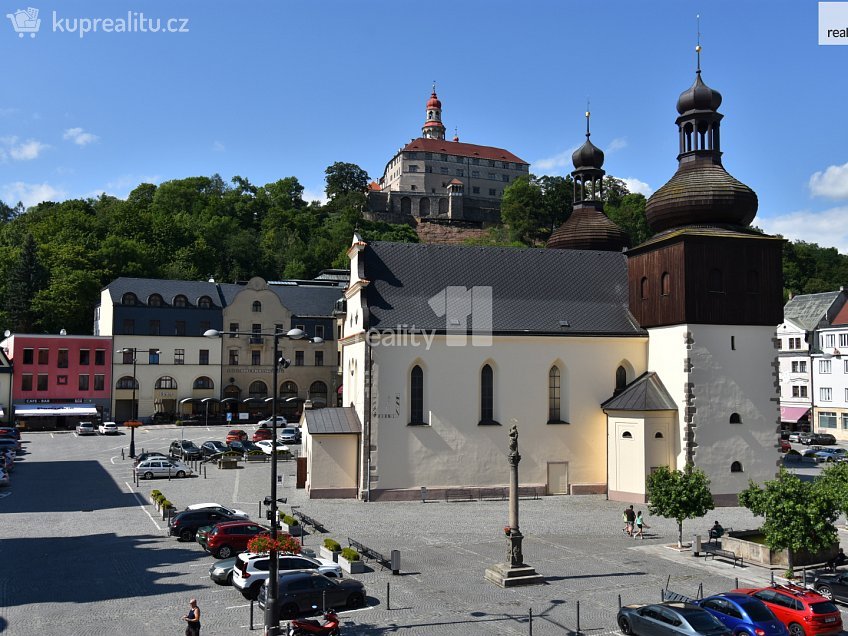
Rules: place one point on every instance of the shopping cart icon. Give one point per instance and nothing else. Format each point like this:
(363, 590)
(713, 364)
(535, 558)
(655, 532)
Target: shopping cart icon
(25, 21)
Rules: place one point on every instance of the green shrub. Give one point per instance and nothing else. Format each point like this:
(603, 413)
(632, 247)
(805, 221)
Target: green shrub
(166, 503)
(332, 545)
(154, 493)
(290, 521)
(350, 554)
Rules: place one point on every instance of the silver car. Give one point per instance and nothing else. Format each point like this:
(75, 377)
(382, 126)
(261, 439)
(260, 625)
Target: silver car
(159, 467)
(669, 619)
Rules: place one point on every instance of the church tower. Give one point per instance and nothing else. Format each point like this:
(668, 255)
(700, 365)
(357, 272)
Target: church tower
(433, 127)
(709, 290)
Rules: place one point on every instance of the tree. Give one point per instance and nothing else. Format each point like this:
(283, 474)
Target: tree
(799, 515)
(26, 278)
(628, 213)
(679, 495)
(345, 178)
(557, 199)
(522, 209)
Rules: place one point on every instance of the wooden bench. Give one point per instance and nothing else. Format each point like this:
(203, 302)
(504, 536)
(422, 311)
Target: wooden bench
(459, 494)
(309, 521)
(724, 554)
(369, 553)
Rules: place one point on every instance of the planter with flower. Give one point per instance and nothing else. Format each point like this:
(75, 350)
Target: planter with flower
(330, 550)
(263, 543)
(290, 525)
(350, 561)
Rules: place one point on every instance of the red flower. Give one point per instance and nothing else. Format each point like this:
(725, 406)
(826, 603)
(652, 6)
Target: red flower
(506, 530)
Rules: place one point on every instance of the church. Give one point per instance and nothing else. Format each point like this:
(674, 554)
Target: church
(611, 360)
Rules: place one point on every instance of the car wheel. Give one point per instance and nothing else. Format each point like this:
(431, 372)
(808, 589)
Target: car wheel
(180, 474)
(355, 600)
(624, 624)
(796, 630)
(230, 579)
(825, 591)
(225, 552)
(148, 475)
(185, 535)
(289, 610)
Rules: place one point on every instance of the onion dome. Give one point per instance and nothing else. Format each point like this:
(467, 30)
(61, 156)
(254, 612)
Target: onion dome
(434, 101)
(588, 228)
(699, 96)
(587, 156)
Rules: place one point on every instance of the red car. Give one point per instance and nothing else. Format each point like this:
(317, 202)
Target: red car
(231, 537)
(785, 446)
(236, 435)
(803, 611)
(261, 434)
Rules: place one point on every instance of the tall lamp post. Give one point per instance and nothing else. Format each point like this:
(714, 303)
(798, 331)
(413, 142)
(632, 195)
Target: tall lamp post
(133, 406)
(271, 625)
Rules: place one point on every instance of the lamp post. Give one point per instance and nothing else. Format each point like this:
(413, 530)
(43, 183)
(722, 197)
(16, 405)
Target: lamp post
(271, 625)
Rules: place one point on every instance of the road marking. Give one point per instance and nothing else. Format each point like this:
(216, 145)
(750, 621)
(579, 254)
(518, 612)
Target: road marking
(236, 485)
(141, 505)
(238, 606)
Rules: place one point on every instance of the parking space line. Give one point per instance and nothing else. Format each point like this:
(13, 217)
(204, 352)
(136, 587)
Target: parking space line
(236, 486)
(141, 505)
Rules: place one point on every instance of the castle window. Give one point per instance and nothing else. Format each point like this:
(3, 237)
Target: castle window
(736, 467)
(643, 288)
(715, 281)
(416, 397)
(735, 418)
(554, 388)
(487, 395)
(620, 380)
(665, 284)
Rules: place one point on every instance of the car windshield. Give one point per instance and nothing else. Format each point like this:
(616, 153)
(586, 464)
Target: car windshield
(702, 621)
(758, 612)
(825, 607)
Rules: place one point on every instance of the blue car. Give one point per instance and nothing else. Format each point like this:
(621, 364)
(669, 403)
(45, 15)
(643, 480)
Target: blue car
(744, 615)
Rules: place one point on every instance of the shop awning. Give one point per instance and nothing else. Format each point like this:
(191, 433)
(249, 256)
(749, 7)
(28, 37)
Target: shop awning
(53, 410)
(793, 413)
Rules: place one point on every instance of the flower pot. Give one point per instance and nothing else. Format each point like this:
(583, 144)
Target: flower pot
(292, 530)
(351, 567)
(331, 555)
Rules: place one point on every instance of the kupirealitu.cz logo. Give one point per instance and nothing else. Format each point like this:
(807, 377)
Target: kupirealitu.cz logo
(26, 21)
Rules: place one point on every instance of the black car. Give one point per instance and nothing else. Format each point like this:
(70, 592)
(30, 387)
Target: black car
(833, 586)
(243, 446)
(300, 591)
(185, 524)
(185, 449)
(817, 439)
(213, 448)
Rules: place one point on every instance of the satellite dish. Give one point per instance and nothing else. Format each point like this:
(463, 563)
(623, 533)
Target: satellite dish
(7, 333)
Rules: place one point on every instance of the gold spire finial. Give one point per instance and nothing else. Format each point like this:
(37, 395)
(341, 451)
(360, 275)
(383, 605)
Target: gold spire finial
(698, 45)
(588, 115)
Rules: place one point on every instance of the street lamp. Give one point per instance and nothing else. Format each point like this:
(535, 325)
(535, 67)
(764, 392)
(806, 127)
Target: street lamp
(133, 406)
(271, 625)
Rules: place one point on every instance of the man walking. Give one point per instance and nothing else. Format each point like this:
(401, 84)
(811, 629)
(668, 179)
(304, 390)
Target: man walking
(629, 520)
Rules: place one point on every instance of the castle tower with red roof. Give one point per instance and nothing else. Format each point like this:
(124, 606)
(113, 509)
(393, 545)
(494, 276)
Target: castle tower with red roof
(433, 128)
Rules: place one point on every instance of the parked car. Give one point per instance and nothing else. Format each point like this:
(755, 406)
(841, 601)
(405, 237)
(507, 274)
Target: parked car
(212, 447)
(12, 444)
(281, 422)
(236, 434)
(158, 467)
(832, 585)
(185, 449)
(669, 619)
(231, 537)
(149, 455)
(290, 435)
(823, 439)
(85, 428)
(794, 436)
(267, 446)
(261, 434)
(222, 571)
(234, 512)
(10, 431)
(303, 591)
(744, 615)
(803, 611)
(185, 524)
(243, 447)
(785, 446)
(108, 428)
(826, 454)
(251, 570)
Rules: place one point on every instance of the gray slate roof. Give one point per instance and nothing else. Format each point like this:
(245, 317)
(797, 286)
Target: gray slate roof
(645, 393)
(810, 310)
(331, 421)
(533, 290)
(192, 289)
(308, 300)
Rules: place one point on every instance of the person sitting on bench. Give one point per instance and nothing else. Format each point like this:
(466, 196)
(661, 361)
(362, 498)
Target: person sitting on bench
(716, 532)
(835, 562)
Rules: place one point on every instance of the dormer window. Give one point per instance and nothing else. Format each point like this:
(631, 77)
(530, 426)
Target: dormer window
(129, 299)
(204, 302)
(155, 300)
(180, 301)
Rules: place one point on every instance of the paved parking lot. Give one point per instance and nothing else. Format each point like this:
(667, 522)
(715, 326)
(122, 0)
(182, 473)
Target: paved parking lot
(85, 553)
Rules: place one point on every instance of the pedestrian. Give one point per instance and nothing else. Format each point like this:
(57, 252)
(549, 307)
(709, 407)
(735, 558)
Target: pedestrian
(630, 520)
(624, 519)
(640, 525)
(193, 619)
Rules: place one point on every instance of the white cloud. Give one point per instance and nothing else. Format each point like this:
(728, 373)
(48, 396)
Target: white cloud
(554, 164)
(28, 150)
(637, 186)
(310, 195)
(79, 136)
(832, 183)
(217, 146)
(619, 143)
(30, 193)
(824, 227)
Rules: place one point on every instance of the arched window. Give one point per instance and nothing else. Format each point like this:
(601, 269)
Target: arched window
(487, 395)
(288, 390)
(665, 284)
(424, 207)
(753, 281)
(257, 389)
(643, 288)
(257, 307)
(127, 382)
(129, 299)
(715, 281)
(203, 383)
(204, 302)
(627, 435)
(166, 382)
(658, 435)
(735, 418)
(180, 301)
(155, 300)
(416, 398)
(620, 380)
(406, 205)
(736, 467)
(318, 392)
(554, 394)
(232, 391)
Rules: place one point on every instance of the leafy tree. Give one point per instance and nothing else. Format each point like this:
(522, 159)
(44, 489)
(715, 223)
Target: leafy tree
(522, 209)
(628, 213)
(557, 199)
(345, 178)
(799, 515)
(679, 495)
(834, 480)
(26, 278)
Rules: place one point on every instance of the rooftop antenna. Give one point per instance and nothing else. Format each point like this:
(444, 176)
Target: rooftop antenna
(698, 46)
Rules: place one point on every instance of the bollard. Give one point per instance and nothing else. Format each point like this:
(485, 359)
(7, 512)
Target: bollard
(122, 454)
(260, 510)
(804, 575)
(204, 472)
(251, 615)
(619, 599)
(388, 596)
(324, 601)
(531, 621)
(772, 577)
(737, 581)
(578, 617)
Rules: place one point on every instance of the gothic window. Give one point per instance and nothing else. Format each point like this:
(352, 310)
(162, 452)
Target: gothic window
(487, 395)
(416, 398)
(620, 380)
(554, 395)
(665, 284)
(643, 288)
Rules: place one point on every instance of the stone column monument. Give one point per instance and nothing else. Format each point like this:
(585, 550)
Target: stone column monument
(513, 571)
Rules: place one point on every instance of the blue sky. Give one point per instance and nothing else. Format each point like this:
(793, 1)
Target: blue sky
(267, 90)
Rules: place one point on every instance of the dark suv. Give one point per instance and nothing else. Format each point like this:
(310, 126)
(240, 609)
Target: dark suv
(186, 523)
(816, 439)
(185, 449)
(301, 591)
